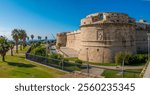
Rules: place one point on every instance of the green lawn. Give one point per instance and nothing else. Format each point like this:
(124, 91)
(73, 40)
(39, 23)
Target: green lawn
(118, 74)
(17, 67)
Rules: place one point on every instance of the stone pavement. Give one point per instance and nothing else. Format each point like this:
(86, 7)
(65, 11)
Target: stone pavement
(118, 67)
(147, 72)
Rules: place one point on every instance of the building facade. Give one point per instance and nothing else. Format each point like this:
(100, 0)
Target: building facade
(102, 35)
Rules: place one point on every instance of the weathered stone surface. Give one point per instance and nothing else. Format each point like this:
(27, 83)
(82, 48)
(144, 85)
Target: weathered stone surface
(102, 35)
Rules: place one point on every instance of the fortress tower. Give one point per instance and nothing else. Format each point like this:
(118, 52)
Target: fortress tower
(105, 34)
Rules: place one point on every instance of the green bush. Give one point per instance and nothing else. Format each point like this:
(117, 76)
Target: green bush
(122, 56)
(138, 59)
(56, 56)
(39, 51)
(66, 60)
(130, 59)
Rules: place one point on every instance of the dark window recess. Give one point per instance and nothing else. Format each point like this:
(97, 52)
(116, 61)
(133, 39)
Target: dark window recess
(117, 20)
(97, 50)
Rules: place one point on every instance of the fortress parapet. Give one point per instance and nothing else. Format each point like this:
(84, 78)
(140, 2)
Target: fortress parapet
(107, 17)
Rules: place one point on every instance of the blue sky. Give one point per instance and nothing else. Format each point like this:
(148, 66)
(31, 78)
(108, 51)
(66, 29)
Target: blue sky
(43, 17)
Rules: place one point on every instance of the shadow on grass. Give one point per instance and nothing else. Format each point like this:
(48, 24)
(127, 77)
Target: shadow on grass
(22, 57)
(21, 65)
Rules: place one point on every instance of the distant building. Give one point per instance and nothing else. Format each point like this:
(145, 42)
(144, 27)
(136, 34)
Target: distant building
(102, 35)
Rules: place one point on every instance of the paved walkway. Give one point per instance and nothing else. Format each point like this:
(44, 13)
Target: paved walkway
(147, 72)
(118, 67)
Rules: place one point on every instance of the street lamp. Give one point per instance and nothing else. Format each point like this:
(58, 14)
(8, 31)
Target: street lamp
(123, 65)
(87, 57)
(124, 56)
(148, 44)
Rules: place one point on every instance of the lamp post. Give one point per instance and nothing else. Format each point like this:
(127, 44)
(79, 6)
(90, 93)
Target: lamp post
(148, 44)
(46, 47)
(124, 56)
(87, 57)
(123, 65)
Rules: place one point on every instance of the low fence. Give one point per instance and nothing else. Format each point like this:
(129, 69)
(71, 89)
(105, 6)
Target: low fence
(60, 64)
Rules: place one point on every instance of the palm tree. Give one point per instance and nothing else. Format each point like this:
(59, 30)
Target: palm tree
(11, 45)
(39, 37)
(15, 36)
(4, 47)
(22, 36)
(46, 38)
(32, 37)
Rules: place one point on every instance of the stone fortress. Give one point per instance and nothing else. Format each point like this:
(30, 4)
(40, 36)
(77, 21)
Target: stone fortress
(102, 35)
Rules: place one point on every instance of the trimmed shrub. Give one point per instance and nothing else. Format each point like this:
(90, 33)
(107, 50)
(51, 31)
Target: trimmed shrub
(79, 63)
(130, 59)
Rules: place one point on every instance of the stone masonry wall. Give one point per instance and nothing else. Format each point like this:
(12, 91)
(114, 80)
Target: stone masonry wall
(103, 35)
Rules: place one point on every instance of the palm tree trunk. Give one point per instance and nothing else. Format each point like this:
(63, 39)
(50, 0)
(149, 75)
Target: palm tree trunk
(16, 46)
(24, 42)
(3, 58)
(11, 52)
(21, 46)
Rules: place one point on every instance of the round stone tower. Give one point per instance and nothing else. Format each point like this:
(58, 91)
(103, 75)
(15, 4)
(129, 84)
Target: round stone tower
(105, 34)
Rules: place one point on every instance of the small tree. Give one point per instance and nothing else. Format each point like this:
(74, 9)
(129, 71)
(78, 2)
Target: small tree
(126, 56)
(4, 47)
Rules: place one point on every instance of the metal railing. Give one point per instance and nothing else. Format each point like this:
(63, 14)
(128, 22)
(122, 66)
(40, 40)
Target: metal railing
(57, 63)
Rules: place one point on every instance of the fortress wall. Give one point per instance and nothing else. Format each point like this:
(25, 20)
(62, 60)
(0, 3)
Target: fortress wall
(141, 41)
(74, 40)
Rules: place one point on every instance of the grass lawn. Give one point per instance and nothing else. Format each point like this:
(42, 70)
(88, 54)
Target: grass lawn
(17, 67)
(118, 74)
